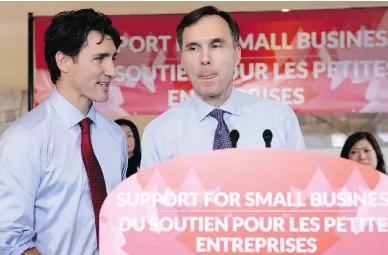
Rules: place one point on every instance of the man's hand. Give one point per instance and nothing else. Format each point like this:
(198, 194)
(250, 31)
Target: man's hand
(32, 252)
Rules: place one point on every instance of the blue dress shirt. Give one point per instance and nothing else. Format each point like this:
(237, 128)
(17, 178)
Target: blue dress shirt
(187, 129)
(44, 189)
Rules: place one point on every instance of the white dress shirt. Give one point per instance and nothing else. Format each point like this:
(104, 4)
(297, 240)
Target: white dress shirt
(187, 129)
(44, 188)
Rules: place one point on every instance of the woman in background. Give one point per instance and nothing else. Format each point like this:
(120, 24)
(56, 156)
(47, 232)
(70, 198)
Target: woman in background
(134, 151)
(363, 148)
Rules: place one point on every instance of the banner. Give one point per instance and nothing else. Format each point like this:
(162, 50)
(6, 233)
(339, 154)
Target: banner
(245, 201)
(326, 61)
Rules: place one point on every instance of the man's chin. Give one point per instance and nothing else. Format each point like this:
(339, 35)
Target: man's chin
(211, 94)
(101, 98)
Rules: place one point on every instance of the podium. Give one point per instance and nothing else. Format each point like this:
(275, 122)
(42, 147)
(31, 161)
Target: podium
(248, 201)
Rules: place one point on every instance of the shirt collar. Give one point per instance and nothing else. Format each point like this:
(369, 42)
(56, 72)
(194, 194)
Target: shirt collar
(202, 109)
(69, 114)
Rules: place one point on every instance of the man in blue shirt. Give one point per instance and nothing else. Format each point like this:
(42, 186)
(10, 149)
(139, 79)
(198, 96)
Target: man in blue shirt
(59, 161)
(209, 43)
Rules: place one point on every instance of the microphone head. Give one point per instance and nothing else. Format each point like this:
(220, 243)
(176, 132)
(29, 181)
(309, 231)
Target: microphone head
(267, 135)
(234, 134)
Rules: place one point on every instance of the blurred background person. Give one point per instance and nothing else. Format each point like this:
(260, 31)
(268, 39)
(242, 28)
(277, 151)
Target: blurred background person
(363, 148)
(134, 150)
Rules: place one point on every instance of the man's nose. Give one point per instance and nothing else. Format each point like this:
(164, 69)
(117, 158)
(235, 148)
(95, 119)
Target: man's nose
(205, 57)
(110, 69)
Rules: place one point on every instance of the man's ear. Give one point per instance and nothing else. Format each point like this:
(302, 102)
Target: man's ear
(238, 55)
(63, 61)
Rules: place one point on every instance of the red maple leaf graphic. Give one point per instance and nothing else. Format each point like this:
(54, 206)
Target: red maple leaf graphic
(346, 97)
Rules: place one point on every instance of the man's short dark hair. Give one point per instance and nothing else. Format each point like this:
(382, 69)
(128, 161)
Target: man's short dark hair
(194, 16)
(68, 33)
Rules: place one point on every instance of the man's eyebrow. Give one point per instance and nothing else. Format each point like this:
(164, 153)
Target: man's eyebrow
(105, 54)
(213, 40)
(217, 40)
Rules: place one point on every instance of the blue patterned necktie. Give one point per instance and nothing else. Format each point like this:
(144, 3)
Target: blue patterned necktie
(221, 137)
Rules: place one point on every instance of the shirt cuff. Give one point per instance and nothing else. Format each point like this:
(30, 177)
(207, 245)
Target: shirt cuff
(22, 248)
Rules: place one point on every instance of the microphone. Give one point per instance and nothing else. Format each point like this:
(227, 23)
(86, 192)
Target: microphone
(267, 136)
(234, 136)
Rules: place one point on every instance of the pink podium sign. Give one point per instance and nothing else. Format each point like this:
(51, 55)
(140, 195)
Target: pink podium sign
(248, 201)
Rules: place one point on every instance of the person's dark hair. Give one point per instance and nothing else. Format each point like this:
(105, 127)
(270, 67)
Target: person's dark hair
(134, 161)
(194, 16)
(354, 138)
(68, 33)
